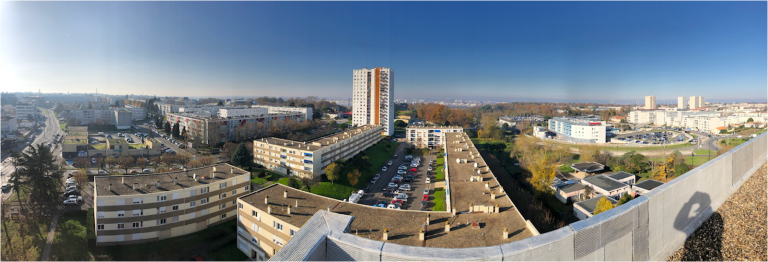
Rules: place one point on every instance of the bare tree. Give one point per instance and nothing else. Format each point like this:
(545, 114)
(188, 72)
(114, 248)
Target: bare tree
(82, 162)
(99, 162)
(206, 160)
(142, 163)
(155, 161)
(111, 163)
(183, 160)
(168, 160)
(194, 164)
(125, 162)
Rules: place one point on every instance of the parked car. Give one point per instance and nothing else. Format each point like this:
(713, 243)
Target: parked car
(426, 191)
(102, 171)
(6, 186)
(71, 192)
(379, 205)
(383, 169)
(397, 202)
(406, 187)
(394, 157)
(389, 163)
(425, 198)
(429, 168)
(70, 201)
(403, 197)
(392, 184)
(393, 206)
(146, 170)
(376, 177)
(427, 180)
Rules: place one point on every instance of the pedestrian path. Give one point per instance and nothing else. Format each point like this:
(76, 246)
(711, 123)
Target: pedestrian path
(49, 240)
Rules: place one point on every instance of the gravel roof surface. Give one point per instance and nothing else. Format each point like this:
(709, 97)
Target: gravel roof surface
(737, 231)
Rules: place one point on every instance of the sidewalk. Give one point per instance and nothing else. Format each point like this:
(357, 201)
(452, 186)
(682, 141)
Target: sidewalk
(49, 241)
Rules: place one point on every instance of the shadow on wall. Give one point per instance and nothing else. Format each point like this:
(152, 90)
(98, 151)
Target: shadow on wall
(706, 242)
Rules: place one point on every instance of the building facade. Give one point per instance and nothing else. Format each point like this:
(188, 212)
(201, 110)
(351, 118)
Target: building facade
(309, 159)
(580, 130)
(25, 110)
(429, 136)
(137, 113)
(215, 129)
(133, 209)
(373, 98)
(696, 102)
(650, 102)
(681, 103)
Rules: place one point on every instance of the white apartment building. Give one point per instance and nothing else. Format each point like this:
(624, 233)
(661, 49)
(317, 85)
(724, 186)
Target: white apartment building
(137, 113)
(309, 159)
(132, 209)
(211, 129)
(166, 108)
(650, 102)
(24, 110)
(306, 111)
(373, 98)
(429, 136)
(580, 130)
(240, 112)
(696, 102)
(681, 103)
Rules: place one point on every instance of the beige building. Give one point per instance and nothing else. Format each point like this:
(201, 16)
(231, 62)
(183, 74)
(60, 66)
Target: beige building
(373, 98)
(681, 103)
(650, 102)
(429, 136)
(142, 208)
(308, 159)
(696, 102)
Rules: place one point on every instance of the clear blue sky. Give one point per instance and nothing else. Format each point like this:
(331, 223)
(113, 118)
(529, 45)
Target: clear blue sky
(566, 51)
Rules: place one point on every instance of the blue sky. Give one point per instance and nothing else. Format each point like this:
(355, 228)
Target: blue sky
(545, 51)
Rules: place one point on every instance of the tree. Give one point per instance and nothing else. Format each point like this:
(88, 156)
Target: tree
(194, 164)
(206, 160)
(354, 177)
(176, 130)
(111, 161)
(542, 173)
(227, 149)
(183, 160)
(155, 161)
(167, 128)
(99, 162)
(750, 120)
(38, 171)
(332, 171)
(82, 162)
(400, 123)
(220, 103)
(81, 176)
(125, 162)
(624, 199)
(142, 163)
(588, 153)
(587, 192)
(241, 156)
(602, 205)
(168, 159)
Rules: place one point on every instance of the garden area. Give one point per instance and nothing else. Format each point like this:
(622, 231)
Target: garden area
(439, 200)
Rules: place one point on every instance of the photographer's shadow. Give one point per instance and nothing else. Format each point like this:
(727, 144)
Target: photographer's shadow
(706, 242)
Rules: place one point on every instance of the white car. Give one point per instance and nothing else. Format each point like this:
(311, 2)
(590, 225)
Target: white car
(429, 168)
(427, 180)
(426, 191)
(392, 185)
(384, 169)
(376, 177)
(71, 188)
(393, 206)
(389, 163)
(73, 200)
(401, 172)
(403, 197)
(406, 187)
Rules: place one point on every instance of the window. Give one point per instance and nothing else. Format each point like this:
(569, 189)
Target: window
(204, 212)
(161, 210)
(240, 230)
(223, 185)
(203, 201)
(246, 188)
(175, 207)
(176, 219)
(234, 201)
(292, 232)
(100, 214)
(136, 224)
(138, 200)
(161, 221)
(222, 206)
(120, 213)
(223, 195)
(137, 236)
(204, 190)
(254, 240)
(255, 227)
(100, 227)
(240, 205)
(234, 192)
(234, 182)
(161, 198)
(254, 214)
(277, 226)
(120, 237)
(120, 226)
(192, 204)
(223, 216)
(138, 212)
(277, 240)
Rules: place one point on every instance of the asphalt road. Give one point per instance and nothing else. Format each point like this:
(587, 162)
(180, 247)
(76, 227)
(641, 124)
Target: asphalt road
(375, 191)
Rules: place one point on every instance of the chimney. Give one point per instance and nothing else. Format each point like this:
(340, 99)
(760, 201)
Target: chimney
(266, 200)
(427, 219)
(471, 207)
(421, 234)
(232, 170)
(213, 173)
(289, 209)
(122, 180)
(214, 169)
(269, 209)
(454, 211)
(506, 233)
(110, 187)
(448, 226)
(175, 181)
(493, 195)
(194, 176)
(384, 235)
(330, 208)
(487, 186)
(157, 183)
(285, 193)
(135, 186)
(496, 209)
(297, 203)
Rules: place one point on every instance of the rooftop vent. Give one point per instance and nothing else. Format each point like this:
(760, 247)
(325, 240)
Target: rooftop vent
(110, 187)
(157, 183)
(135, 186)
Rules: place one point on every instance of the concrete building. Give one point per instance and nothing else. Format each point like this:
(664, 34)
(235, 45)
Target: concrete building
(373, 98)
(25, 110)
(606, 186)
(272, 218)
(8, 124)
(696, 102)
(645, 186)
(123, 118)
(309, 159)
(580, 130)
(306, 111)
(573, 192)
(212, 129)
(622, 177)
(681, 103)
(429, 136)
(137, 113)
(586, 209)
(133, 209)
(650, 102)
(167, 108)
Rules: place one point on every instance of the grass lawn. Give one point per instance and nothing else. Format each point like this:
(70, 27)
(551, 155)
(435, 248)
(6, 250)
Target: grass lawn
(697, 160)
(734, 142)
(98, 146)
(228, 252)
(38, 242)
(378, 155)
(632, 148)
(439, 200)
(268, 179)
(439, 174)
(63, 127)
(337, 190)
(137, 146)
(70, 242)
(705, 152)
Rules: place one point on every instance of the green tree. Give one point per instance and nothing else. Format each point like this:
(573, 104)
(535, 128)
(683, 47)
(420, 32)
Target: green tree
(400, 123)
(332, 171)
(750, 120)
(176, 130)
(167, 128)
(241, 156)
(624, 199)
(587, 192)
(602, 205)
(38, 170)
(354, 177)
(220, 103)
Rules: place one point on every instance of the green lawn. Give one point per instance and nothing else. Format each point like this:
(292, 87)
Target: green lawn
(24, 188)
(734, 142)
(697, 160)
(137, 146)
(378, 155)
(268, 179)
(628, 148)
(439, 200)
(63, 127)
(98, 146)
(337, 191)
(229, 252)
(71, 243)
(439, 174)
(704, 152)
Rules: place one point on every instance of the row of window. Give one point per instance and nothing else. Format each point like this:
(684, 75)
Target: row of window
(160, 210)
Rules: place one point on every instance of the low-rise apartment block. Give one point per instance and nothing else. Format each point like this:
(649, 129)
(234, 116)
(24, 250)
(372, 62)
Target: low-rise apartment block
(25, 110)
(579, 130)
(309, 159)
(213, 128)
(133, 209)
(429, 136)
(606, 186)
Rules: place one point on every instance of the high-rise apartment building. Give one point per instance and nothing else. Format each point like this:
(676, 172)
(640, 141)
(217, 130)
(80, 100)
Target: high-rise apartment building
(650, 102)
(696, 102)
(373, 98)
(681, 103)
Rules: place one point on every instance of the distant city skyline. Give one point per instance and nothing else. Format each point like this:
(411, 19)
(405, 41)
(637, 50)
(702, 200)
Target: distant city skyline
(499, 51)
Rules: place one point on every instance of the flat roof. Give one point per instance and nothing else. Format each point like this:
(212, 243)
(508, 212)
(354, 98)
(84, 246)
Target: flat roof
(117, 141)
(590, 204)
(146, 182)
(605, 182)
(434, 127)
(402, 225)
(317, 143)
(620, 175)
(571, 187)
(69, 140)
(648, 184)
(587, 167)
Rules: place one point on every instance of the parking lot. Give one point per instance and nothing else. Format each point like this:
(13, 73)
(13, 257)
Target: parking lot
(376, 191)
(652, 138)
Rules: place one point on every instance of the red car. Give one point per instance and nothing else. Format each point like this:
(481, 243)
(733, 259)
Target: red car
(413, 169)
(425, 198)
(397, 201)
